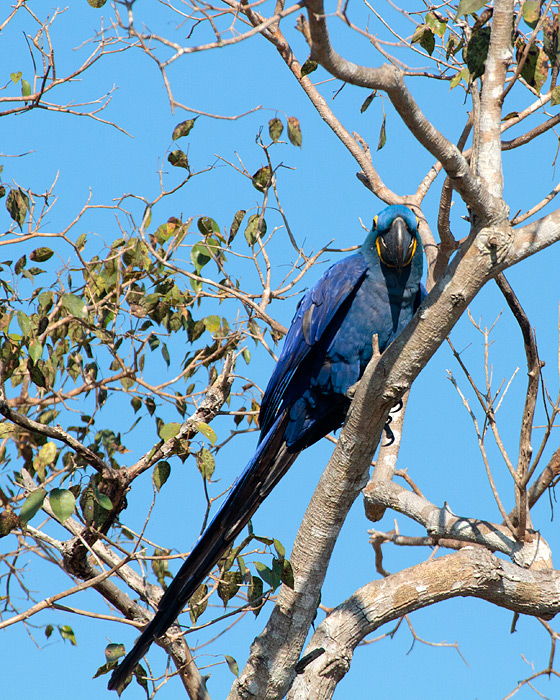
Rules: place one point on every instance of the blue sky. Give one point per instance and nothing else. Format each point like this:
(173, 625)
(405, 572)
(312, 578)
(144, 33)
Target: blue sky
(323, 201)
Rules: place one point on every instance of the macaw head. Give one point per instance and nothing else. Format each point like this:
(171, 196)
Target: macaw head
(396, 240)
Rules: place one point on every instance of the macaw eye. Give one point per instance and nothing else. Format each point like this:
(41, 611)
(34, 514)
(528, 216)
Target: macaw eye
(410, 252)
(383, 251)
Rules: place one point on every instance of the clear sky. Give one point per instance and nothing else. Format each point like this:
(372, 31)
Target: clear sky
(323, 201)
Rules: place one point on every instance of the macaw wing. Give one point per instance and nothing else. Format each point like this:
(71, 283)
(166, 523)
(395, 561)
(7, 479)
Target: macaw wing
(313, 316)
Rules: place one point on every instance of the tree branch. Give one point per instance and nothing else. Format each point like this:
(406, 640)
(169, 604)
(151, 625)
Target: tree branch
(469, 572)
(443, 523)
(390, 79)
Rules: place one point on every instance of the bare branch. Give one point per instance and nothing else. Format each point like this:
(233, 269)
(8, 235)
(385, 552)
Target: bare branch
(390, 79)
(469, 572)
(443, 523)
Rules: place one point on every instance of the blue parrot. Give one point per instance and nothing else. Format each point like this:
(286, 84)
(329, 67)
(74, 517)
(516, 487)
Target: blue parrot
(326, 350)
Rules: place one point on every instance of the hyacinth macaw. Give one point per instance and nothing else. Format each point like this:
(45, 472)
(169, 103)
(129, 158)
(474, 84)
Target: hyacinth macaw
(329, 343)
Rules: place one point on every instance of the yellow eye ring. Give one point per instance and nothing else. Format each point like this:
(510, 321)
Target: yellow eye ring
(374, 222)
(413, 250)
(378, 246)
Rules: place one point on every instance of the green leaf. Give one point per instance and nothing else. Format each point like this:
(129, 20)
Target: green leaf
(25, 88)
(551, 45)
(206, 463)
(369, 99)
(160, 566)
(531, 11)
(425, 37)
(252, 231)
(196, 608)
(62, 503)
(17, 204)
(35, 350)
(232, 665)
(113, 652)
(6, 429)
(21, 263)
(541, 70)
(269, 576)
(255, 593)
(262, 179)
(47, 454)
(81, 241)
(200, 256)
(382, 134)
(555, 96)
(33, 271)
(74, 305)
(106, 668)
(126, 382)
(24, 323)
(476, 52)
(169, 430)
(207, 226)
(512, 115)
(48, 631)
(287, 574)
(280, 549)
(467, 7)
(66, 632)
(165, 354)
(142, 678)
(294, 131)
(308, 67)
(229, 585)
(32, 505)
(183, 129)
(15, 77)
(461, 75)
(161, 473)
(436, 23)
(265, 540)
(46, 300)
(178, 159)
(453, 45)
(96, 3)
(102, 499)
(36, 374)
(207, 431)
(275, 129)
(234, 228)
(212, 323)
(246, 355)
(40, 255)
(535, 68)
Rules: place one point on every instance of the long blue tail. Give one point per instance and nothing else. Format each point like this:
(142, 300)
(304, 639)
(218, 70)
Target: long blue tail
(269, 464)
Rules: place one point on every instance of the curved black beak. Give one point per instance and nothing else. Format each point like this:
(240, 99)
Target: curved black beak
(400, 237)
(397, 245)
